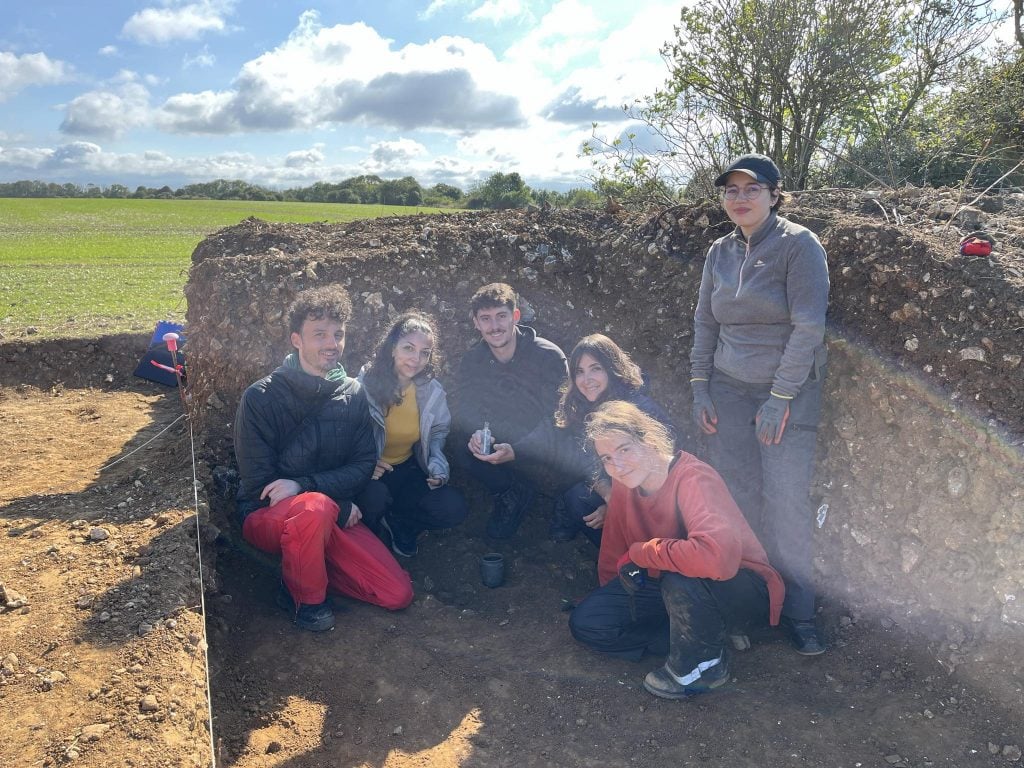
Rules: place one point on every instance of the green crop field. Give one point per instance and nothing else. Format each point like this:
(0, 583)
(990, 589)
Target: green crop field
(93, 266)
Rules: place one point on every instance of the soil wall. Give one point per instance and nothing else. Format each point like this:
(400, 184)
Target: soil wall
(918, 485)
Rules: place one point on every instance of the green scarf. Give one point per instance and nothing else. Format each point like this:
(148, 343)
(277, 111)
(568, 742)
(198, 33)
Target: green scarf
(337, 373)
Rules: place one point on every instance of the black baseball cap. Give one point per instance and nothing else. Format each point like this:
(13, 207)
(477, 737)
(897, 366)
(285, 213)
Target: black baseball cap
(758, 167)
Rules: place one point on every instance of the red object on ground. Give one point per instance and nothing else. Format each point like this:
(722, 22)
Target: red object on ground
(975, 246)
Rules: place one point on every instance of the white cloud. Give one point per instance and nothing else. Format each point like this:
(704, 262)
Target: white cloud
(108, 50)
(396, 155)
(196, 113)
(599, 64)
(438, 5)
(200, 60)
(20, 72)
(76, 153)
(178, 21)
(349, 73)
(498, 10)
(305, 158)
(109, 112)
(570, 29)
(25, 158)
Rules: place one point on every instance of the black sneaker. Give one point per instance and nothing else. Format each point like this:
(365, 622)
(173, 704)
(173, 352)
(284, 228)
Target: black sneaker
(314, 618)
(509, 510)
(666, 684)
(805, 636)
(404, 546)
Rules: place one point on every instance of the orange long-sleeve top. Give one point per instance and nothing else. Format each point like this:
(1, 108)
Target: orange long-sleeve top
(690, 525)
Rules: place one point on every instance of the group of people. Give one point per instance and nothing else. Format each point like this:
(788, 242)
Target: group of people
(340, 475)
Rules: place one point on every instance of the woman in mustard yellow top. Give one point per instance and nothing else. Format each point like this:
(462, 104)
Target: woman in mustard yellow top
(409, 409)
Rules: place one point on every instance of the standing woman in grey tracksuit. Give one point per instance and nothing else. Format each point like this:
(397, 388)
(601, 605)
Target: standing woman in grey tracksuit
(756, 367)
(408, 492)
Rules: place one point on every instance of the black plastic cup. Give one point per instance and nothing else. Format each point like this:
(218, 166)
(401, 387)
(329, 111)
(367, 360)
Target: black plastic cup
(492, 569)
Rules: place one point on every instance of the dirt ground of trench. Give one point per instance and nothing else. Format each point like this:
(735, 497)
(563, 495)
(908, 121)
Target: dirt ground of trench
(113, 636)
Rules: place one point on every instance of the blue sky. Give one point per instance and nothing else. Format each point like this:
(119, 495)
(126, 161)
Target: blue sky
(284, 93)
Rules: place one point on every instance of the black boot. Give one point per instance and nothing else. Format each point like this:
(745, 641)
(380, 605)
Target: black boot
(562, 527)
(509, 510)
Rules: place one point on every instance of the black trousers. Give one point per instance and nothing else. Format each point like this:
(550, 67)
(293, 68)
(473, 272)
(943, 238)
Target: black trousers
(410, 504)
(498, 478)
(687, 618)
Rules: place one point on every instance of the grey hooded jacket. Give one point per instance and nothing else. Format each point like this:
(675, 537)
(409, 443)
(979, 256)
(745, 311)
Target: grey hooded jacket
(435, 422)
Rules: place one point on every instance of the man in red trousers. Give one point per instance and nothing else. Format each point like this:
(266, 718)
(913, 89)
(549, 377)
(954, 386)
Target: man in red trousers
(305, 449)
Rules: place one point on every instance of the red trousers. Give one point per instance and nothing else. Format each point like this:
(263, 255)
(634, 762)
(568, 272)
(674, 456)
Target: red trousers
(317, 553)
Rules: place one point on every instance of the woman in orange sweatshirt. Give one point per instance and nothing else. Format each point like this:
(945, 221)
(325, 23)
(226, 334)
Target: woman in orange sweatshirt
(679, 568)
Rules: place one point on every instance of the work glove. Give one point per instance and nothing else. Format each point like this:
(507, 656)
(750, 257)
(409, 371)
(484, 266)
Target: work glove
(771, 419)
(704, 413)
(632, 576)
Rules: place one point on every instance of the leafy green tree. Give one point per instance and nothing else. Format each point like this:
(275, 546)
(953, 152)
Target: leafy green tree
(802, 81)
(404, 191)
(452, 193)
(779, 76)
(366, 188)
(501, 190)
(343, 196)
(442, 196)
(973, 132)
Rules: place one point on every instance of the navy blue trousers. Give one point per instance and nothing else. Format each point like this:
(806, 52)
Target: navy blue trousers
(687, 618)
(579, 502)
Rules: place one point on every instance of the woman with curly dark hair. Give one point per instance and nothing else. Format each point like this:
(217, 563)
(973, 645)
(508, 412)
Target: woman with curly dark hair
(599, 371)
(409, 408)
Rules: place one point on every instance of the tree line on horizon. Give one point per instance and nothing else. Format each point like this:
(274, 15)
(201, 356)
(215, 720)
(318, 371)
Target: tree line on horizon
(500, 190)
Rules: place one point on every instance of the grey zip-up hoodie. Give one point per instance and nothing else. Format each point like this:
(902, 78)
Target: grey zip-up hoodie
(760, 313)
(435, 422)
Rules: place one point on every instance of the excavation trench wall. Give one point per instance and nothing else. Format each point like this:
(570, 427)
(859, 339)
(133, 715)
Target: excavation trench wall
(918, 485)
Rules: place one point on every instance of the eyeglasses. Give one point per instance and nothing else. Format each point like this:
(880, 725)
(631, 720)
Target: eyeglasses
(748, 192)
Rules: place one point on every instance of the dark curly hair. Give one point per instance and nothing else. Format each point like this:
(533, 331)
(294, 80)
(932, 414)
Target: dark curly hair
(624, 379)
(379, 377)
(493, 295)
(327, 301)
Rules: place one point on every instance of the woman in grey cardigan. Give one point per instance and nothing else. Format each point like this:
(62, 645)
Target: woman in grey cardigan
(756, 367)
(408, 492)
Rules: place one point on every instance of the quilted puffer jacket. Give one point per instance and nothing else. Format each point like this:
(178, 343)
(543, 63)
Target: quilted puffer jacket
(305, 428)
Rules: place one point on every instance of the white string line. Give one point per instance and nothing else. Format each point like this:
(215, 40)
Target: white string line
(118, 461)
(199, 551)
(202, 595)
